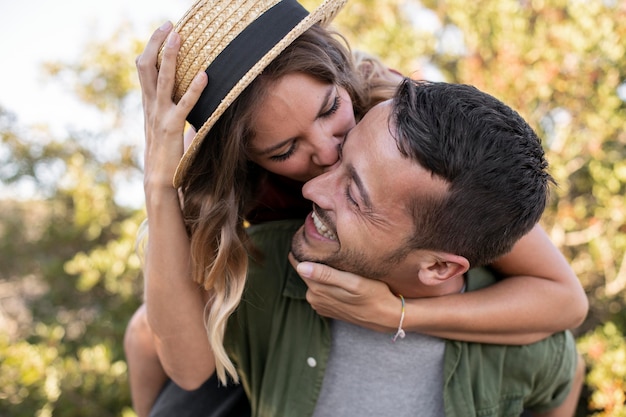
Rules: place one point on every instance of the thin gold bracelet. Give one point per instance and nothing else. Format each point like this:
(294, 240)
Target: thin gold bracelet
(400, 333)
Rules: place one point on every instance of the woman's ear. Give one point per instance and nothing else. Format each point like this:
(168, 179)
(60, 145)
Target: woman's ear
(442, 267)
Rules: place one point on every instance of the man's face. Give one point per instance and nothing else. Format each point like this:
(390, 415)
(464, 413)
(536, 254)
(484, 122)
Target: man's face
(360, 221)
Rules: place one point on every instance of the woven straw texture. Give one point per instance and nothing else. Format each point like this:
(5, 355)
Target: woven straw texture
(206, 29)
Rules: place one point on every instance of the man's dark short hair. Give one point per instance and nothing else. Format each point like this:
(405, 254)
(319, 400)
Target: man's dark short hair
(491, 158)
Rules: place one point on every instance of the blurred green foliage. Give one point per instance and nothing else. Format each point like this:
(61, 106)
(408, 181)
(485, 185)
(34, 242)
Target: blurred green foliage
(605, 352)
(69, 275)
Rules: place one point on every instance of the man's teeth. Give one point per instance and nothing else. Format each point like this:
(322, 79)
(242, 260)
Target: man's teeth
(322, 229)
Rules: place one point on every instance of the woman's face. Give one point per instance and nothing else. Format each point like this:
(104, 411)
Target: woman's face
(299, 126)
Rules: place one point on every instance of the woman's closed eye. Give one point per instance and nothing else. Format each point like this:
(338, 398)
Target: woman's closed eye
(293, 146)
(333, 109)
(287, 154)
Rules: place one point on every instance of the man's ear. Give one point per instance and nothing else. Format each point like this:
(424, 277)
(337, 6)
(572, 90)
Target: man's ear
(441, 267)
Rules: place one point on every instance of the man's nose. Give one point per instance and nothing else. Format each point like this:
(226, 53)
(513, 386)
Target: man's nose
(319, 189)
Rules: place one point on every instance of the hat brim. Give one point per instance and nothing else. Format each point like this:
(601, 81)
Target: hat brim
(321, 15)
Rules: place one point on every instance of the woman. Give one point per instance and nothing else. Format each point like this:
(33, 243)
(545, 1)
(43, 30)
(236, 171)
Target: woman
(263, 148)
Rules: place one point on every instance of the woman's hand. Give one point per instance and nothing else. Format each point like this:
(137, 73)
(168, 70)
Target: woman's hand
(344, 296)
(174, 303)
(164, 120)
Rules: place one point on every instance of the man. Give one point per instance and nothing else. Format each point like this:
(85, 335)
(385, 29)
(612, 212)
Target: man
(439, 180)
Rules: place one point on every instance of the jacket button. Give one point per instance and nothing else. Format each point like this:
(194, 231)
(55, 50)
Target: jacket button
(311, 362)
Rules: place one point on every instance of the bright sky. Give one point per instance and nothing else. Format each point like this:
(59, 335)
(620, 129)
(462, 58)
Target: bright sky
(35, 31)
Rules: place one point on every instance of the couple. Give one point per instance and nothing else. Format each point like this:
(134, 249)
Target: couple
(235, 143)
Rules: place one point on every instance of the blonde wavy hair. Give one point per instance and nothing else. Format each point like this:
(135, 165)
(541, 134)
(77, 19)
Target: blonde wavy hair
(379, 81)
(219, 187)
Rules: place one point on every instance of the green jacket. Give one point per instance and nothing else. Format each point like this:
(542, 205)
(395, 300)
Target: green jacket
(281, 346)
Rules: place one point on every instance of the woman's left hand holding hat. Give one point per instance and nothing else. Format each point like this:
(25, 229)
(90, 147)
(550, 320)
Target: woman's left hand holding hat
(164, 121)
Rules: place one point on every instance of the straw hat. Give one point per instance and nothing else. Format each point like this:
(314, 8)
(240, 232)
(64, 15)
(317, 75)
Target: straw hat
(233, 41)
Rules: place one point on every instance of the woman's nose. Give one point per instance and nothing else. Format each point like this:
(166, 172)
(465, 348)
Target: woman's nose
(326, 150)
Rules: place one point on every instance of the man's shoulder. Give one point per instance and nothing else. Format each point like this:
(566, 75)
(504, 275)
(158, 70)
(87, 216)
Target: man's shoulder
(271, 243)
(269, 270)
(544, 351)
(492, 378)
(524, 367)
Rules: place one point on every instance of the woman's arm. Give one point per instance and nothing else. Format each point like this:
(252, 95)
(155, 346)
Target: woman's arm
(175, 304)
(541, 295)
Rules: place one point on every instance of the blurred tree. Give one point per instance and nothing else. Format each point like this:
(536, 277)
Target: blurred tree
(68, 254)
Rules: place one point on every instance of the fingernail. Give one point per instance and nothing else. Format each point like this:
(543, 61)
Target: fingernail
(171, 39)
(305, 269)
(166, 26)
(199, 78)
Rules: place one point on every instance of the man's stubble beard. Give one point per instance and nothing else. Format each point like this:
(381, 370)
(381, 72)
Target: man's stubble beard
(348, 261)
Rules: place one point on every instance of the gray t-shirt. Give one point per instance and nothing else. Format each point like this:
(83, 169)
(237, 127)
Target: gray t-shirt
(369, 375)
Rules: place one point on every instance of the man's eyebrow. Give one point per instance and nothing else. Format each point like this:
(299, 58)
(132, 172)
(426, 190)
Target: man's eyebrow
(359, 184)
(355, 177)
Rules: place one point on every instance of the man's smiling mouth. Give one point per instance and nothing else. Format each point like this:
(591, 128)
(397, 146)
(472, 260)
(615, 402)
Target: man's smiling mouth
(321, 228)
